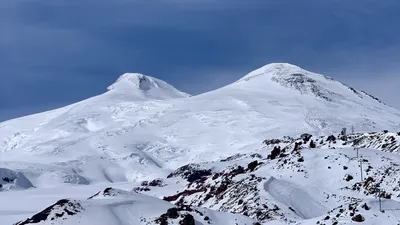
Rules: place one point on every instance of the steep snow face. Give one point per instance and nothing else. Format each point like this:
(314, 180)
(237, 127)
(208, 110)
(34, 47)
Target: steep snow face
(290, 96)
(285, 78)
(145, 87)
(143, 127)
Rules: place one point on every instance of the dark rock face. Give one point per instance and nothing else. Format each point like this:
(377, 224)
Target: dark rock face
(312, 144)
(306, 137)
(156, 183)
(197, 175)
(105, 192)
(297, 146)
(252, 166)
(365, 206)
(331, 138)
(238, 170)
(272, 141)
(181, 211)
(146, 185)
(304, 84)
(153, 183)
(275, 153)
(233, 157)
(61, 209)
(348, 177)
(187, 220)
(141, 189)
(172, 213)
(182, 194)
(8, 180)
(191, 172)
(358, 218)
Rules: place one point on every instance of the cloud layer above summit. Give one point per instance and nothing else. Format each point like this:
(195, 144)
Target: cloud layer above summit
(57, 52)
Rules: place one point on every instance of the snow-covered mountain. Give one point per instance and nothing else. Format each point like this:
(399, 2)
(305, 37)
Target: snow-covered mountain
(143, 128)
(146, 124)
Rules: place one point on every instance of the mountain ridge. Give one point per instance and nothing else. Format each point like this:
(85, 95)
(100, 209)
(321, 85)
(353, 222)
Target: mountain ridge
(289, 75)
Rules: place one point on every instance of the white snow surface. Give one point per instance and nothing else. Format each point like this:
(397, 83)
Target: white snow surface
(143, 128)
(296, 198)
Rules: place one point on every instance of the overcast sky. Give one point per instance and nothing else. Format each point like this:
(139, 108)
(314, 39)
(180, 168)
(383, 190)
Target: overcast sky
(53, 52)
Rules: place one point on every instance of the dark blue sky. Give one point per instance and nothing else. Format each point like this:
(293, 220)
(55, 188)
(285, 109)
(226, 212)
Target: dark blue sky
(54, 52)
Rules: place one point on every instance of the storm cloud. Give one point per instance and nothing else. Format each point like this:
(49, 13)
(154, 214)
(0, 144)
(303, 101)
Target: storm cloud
(53, 53)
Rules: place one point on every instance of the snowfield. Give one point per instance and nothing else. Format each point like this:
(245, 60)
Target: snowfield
(291, 195)
(113, 206)
(142, 129)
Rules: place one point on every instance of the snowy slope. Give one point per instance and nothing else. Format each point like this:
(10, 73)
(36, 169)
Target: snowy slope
(115, 206)
(142, 127)
(299, 186)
